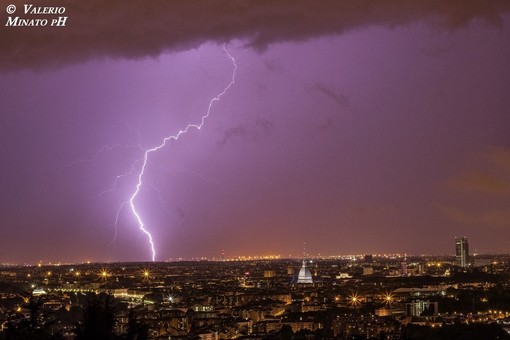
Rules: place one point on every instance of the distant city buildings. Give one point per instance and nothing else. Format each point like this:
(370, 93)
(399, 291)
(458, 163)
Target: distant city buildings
(462, 251)
(421, 307)
(403, 267)
(387, 297)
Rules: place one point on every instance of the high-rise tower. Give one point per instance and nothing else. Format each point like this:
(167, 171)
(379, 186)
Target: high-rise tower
(462, 251)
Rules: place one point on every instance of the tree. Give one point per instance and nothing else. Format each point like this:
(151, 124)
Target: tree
(285, 332)
(36, 326)
(136, 330)
(98, 319)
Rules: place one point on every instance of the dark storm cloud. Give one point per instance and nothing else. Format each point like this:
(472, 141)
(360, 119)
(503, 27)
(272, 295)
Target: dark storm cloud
(500, 157)
(475, 188)
(478, 181)
(251, 131)
(491, 177)
(330, 92)
(239, 130)
(493, 218)
(274, 66)
(137, 29)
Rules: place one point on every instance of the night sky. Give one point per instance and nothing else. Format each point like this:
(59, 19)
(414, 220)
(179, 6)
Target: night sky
(354, 126)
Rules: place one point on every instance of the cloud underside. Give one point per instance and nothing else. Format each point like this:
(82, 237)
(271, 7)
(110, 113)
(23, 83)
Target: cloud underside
(492, 218)
(138, 29)
(485, 193)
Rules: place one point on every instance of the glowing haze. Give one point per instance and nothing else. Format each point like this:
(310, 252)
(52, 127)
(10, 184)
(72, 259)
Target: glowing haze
(356, 127)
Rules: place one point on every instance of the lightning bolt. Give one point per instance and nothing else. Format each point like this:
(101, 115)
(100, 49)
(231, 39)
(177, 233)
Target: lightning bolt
(144, 160)
(108, 148)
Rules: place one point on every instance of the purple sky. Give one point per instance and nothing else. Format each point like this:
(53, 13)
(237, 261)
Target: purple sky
(353, 129)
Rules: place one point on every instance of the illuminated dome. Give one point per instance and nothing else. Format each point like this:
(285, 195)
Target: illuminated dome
(305, 275)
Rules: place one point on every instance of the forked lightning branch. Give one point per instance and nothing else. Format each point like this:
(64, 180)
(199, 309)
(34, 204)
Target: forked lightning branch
(144, 160)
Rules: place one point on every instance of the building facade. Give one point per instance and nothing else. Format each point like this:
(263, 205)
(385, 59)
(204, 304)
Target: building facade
(462, 251)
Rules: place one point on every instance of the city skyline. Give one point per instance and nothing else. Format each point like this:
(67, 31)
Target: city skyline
(374, 128)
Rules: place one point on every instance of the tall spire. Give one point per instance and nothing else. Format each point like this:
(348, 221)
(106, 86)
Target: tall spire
(305, 276)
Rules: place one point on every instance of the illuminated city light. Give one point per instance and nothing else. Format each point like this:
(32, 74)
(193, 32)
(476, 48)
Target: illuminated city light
(388, 298)
(103, 273)
(354, 300)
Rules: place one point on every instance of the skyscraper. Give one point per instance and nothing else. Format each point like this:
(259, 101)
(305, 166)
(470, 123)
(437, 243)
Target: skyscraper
(462, 251)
